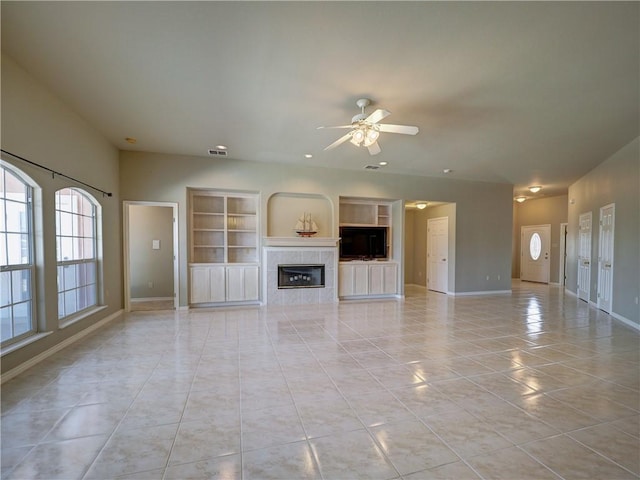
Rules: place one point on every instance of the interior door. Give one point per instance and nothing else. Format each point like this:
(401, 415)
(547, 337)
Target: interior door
(584, 256)
(605, 259)
(438, 254)
(535, 253)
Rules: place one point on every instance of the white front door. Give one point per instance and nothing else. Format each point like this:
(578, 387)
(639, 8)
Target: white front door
(438, 254)
(584, 256)
(534, 253)
(605, 259)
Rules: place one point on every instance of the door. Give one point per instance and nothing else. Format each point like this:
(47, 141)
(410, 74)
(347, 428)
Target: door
(584, 256)
(605, 259)
(534, 253)
(242, 283)
(438, 254)
(383, 279)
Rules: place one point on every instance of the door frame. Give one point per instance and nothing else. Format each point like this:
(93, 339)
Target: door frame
(600, 260)
(588, 289)
(126, 206)
(562, 271)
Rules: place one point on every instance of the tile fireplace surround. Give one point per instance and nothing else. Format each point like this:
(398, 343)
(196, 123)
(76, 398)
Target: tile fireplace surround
(299, 251)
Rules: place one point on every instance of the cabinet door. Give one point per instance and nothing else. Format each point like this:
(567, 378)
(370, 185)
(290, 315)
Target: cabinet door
(382, 279)
(242, 283)
(361, 280)
(217, 291)
(345, 280)
(200, 285)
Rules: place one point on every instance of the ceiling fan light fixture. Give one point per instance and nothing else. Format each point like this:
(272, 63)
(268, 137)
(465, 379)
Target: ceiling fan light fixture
(371, 137)
(358, 136)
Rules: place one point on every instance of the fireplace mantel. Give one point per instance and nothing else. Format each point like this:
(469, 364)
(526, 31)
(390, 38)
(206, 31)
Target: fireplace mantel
(299, 242)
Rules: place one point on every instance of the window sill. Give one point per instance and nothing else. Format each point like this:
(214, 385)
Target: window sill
(67, 322)
(24, 342)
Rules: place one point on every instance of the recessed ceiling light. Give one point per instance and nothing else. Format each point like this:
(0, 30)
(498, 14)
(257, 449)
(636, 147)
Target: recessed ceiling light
(447, 170)
(383, 163)
(308, 155)
(535, 189)
(131, 140)
(221, 147)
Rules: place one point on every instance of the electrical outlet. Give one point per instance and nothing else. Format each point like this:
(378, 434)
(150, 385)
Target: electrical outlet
(498, 277)
(487, 277)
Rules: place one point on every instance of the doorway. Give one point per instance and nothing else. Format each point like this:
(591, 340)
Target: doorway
(438, 254)
(150, 255)
(605, 259)
(534, 253)
(584, 256)
(562, 275)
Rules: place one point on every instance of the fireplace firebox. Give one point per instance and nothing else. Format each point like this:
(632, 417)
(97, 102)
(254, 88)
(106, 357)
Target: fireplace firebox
(300, 276)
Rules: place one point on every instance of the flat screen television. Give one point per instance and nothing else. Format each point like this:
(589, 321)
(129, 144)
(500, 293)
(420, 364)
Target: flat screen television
(363, 242)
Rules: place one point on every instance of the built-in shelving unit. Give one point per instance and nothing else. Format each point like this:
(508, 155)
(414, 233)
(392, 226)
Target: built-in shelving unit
(369, 213)
(223, 246)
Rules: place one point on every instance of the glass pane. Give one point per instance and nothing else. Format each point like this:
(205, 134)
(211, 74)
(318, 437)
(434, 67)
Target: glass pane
(85, 297)
(63, 200)
(66, 224)
(15, 188)
(17, 220)
(86, 227)
(21, 318)
(70, 278)
(535, 246)
(5, 288)
(88, 252)
(3, 249)
(2, 171)
(18, 248)
(21, 285)
(70, 302)
(66, 249)
(90, 272)
(87, 207)
(6, 325)
(61, 305)
(60, 279)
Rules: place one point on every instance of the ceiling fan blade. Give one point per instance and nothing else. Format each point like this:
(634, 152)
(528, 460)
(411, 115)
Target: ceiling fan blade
(339, 141)
(376, 116)
(336, 126)
(374, 148)
(406, 129)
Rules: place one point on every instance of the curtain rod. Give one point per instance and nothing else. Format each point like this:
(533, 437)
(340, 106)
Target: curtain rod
(54, 173)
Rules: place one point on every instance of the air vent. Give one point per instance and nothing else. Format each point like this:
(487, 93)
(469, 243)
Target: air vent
(218, 153)
(372, 167)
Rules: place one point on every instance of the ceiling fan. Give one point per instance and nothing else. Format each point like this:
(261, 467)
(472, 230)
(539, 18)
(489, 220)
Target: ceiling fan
(365, 130)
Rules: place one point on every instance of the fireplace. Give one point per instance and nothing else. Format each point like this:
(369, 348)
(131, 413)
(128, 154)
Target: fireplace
(301, 276)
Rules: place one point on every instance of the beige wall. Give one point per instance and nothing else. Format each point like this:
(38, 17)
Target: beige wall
(542, 211)
(483, 245)
(151, 271)
(40, 128)
(616, 180)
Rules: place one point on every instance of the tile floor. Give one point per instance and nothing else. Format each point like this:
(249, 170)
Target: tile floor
(532, 385)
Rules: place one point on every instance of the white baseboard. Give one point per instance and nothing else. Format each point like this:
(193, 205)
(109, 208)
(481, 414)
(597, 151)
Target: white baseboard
(626, 321)
(488, 292)
(56, 348)
(150, 299)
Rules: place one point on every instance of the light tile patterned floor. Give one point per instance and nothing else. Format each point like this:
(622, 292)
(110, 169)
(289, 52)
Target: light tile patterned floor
(532, 385)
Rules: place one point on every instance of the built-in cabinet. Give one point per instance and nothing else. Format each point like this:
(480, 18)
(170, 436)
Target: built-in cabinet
(356, 212)
(223, 246)
(357, 279)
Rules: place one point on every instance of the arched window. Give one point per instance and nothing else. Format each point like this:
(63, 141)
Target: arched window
(17, 266)
(76, 246)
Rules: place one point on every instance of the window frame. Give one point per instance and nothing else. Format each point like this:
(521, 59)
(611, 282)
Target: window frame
(80, 308)
(30, 266)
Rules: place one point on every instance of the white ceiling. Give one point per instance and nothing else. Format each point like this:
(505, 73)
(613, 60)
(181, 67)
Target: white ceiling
(524, 93)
